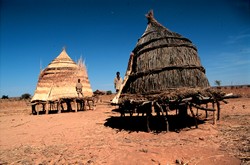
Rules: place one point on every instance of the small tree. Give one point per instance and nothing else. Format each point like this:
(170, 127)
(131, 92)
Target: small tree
(109, 92)
(26, 96)
(217, 82)
(5, 97)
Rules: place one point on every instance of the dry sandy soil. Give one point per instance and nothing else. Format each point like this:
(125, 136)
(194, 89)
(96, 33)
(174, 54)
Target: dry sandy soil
(102, 137)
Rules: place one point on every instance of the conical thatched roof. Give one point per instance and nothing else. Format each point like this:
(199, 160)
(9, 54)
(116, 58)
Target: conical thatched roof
(59, 79)
(164, 59)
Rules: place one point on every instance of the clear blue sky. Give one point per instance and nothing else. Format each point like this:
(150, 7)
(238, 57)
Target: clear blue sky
(104, 32)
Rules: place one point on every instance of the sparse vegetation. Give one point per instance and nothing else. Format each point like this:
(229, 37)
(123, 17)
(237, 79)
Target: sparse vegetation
(109, 92)
(26, 96)
(217, 82)
(5, 97)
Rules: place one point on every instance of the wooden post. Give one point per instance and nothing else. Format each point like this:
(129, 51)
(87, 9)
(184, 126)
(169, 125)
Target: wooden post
(206, 111)
(214, 114)
(37, 112)
(214, 117)
(33, 109)
(182, 110)
(148, 128)
(47, 107)
(78, 105)
(195, 119)
(59, 106)
(165, 117)
(75, 103)
(148, 108)
(83, 104)
(218, 109)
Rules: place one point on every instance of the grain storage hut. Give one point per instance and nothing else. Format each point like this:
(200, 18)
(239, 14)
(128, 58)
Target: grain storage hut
(164, 59)
(164, 71)
(58, 80)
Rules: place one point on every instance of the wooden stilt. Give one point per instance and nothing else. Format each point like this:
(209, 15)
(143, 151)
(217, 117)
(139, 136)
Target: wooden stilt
(195, 119)
(165, 117)
(218, 110)
(131, 113)
(214, 117)
(47, 107)
(206, 111)
(59, 106)
(33, 108)
(148, 128)
(37, 112)
(214, 114)
(75, 103)
(182, 110)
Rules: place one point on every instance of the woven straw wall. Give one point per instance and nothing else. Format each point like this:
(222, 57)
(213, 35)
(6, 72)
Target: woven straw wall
(164, 59)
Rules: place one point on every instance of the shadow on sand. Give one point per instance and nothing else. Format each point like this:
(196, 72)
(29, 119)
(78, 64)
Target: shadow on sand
(157, 124)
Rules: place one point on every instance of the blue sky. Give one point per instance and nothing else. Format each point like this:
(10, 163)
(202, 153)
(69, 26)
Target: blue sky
(33, 33)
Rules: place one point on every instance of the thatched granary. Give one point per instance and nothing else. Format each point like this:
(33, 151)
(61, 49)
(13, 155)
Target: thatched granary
(59, 79)
(164, 72)
(164, 59)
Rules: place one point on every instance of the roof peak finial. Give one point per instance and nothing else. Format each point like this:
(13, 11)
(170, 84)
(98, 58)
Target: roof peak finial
(64, 48)
(150, 16)
(152, 20)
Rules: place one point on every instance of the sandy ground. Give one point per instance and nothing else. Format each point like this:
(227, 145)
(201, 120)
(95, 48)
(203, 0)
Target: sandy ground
(102, 137)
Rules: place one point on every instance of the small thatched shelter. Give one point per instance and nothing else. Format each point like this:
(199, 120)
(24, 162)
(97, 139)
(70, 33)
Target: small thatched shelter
(164, 59)
(59, 79)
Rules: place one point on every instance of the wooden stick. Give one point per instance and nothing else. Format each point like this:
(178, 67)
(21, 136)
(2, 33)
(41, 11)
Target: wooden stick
(59, 107)
(75, 103)
(202, 108)
(214, 114)
(47, 107)
(166, 119)
(206, 111)
(195, 120)
(218, 110)
(148, 128)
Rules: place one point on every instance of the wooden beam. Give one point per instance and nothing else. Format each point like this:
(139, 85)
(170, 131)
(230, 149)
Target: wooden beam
(202, 108)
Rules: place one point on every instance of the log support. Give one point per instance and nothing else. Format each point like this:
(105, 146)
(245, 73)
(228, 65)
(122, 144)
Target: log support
(165, 117)
(195, 117)
(218, 110)
(59, 106)
(75, 105)
(47, 108)
(206, 111)
(148, 128)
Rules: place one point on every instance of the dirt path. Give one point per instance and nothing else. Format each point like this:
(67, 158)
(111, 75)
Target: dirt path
(83, 138)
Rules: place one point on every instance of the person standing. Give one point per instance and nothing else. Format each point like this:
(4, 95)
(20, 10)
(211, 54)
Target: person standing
(79, 88)
(117, 82)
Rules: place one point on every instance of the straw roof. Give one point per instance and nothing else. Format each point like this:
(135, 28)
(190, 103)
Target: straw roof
(164, 59)
(59, 79)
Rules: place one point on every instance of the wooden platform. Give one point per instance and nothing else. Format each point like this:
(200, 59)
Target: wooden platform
(64, 105)
(161, 107)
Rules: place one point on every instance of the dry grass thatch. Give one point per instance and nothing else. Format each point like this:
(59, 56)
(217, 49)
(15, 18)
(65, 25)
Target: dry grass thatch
(164, 59)
(58, 80)
(176, 94)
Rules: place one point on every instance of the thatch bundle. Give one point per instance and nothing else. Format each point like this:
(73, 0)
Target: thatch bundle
(164, 59)
(59, 79)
